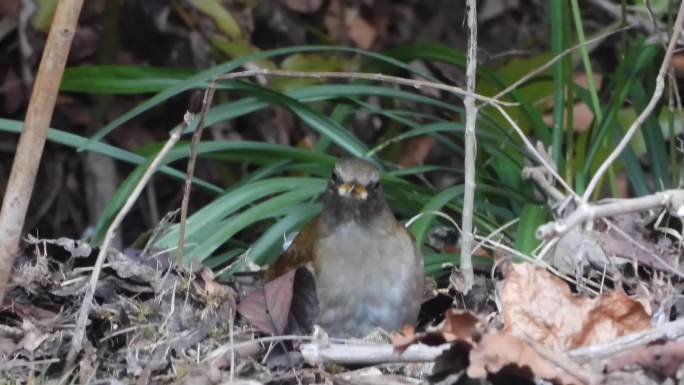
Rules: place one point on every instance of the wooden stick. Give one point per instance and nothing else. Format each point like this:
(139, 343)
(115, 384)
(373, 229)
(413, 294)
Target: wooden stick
(34, 133)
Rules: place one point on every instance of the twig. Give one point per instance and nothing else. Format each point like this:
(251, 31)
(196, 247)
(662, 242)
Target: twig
(79, 330)
(537, 175)
(417, 84)
(562, 361)
(534, 151)
(670, 199)
(660, 83)
(32, 139)
(669, 330)
(232, 347)
(369, 354)
(469, 162)
(196, 137)
(549, 63)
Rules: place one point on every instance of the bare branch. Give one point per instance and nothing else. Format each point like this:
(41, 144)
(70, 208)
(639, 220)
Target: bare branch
(418, 84)
(673, 200)
(469, 162)
(660, 83)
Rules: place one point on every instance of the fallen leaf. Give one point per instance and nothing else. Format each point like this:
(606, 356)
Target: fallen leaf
(540, 307)
(359, 30)
(458, 325)
(267, 309)
(503, 355)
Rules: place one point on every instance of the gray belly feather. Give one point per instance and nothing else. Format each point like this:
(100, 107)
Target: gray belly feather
(370, 277)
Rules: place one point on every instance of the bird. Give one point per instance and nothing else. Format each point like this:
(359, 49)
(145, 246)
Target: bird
(367, 268)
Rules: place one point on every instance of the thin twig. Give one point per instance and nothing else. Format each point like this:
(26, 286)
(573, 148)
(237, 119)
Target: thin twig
(660, 83)
(34, 133)
(549, 63)
(670, 199)
(79, 330)
(537, 175)
(196, 137)
(417, 84)
(369, 354)
(534, 151)
(469, 162)
(566, 364)
(669, 331)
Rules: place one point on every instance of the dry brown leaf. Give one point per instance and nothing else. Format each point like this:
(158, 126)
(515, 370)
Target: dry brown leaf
(502, 354)
(582, 116)
(360, 31)
(416, 150)
(540, 307)
(404, 338)
(461, 324)
(268, 309)
(677, 62)
(458, 325)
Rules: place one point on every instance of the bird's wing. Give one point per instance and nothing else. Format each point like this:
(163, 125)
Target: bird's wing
(300, 252)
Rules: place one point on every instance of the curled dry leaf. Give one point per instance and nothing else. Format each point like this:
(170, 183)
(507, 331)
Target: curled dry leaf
(504, 355)
(540, 307)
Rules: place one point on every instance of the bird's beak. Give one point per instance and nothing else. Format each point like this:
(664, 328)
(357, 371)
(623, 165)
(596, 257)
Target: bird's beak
(358, 191)
(344, 189)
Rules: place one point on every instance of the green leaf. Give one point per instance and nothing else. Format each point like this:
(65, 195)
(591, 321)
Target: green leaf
(270, 208)
(531, 218)
(115, 79)
(231, 202)
(219, 14)
(75, 141)
(200, 80)
(421, 226)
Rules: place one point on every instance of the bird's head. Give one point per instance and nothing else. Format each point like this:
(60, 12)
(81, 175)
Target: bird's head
(354, 192)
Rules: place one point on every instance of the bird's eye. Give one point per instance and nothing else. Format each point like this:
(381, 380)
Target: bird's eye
(374, 185)
(335, 179)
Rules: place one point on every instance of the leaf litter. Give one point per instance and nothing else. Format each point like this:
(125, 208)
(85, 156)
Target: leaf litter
(157, 323)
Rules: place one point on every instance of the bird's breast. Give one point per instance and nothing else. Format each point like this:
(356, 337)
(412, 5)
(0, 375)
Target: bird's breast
(366, 277)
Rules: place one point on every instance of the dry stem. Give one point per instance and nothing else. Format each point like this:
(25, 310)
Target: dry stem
(190, 171)
(470, 154)
(79, 330)
(34, 133)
